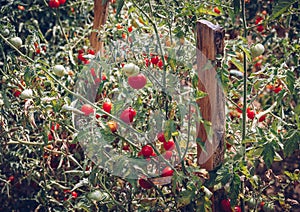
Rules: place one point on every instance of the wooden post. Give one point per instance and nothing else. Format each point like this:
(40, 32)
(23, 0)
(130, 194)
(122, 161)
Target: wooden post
(210, 43)
(100, 17)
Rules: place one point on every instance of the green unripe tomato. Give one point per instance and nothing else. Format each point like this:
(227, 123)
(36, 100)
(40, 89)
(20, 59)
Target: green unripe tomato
(16, 41)
(59, 70)
(257, 50)
(5, 32)
(131, 69)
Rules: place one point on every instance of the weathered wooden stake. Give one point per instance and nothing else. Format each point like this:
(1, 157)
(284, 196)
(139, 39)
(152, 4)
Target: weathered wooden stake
(100, 17)
(210, 43)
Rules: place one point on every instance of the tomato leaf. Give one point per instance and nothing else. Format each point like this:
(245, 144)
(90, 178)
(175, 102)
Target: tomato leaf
(281, 7)
(268, 154)
(292, 143)
(290, 78)
(236, 6)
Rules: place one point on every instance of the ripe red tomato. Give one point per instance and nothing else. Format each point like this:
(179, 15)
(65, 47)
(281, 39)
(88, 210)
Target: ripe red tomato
(138, 81)
(225, 205)
(250, 114)
(62, 1)
(168, 155)
(50, 137)
(113, 126)
(97, 116)
(11, 178)
(161, 137)
(145, 184)
(54, 3)
(107, 106)
(126, 147)
(87, 109)
(91, 51)
(160, 64)
(130, 29)
(167, 172)
(258, 20)
(154, 60)
(262, 118)
(147, 151)
(217, 10)
(74, 194)
(169, 145)
(127, 115)
(55, 126)
(16, 92)
(260, 28)
(147, 63)
(277, 89)
(237, 209)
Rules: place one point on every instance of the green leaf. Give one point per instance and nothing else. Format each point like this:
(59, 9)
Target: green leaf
(238, 64)
(236, 6)
(281, 7)
(292, 143)
(234, 189)
(268, 154)
(120, 5)
(290, 78)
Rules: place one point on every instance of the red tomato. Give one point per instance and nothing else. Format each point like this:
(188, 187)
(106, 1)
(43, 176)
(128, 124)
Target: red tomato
(168, 155)
(126, 147)
(260, 28)
(225, 205)
(237, 209)
(154, 60)
(127, 115)
(62, 1)
(147, 151)
(167, 172)
(74, 194)
(91, 51)
(250, 114)
(277, 89)
(217, 10)
(54, 3)
(147, 63)
(138, 81)
(130, 29)
(161, 137)
(87, 109)
(262, 118)
(170, 145)
(160, 64)
(145, 184)
(107, 106)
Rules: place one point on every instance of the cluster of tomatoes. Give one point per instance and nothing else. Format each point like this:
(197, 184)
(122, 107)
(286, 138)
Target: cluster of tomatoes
(155, 61)
(56, 3)
(147, 151)
(81, 55)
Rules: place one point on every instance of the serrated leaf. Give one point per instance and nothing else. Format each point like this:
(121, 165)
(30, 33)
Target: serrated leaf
(238, 64)
(268, 154)
(120, 5)
(292, 143)
(290, 78)
(234, 189)
(236, 6)
(281, 7)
